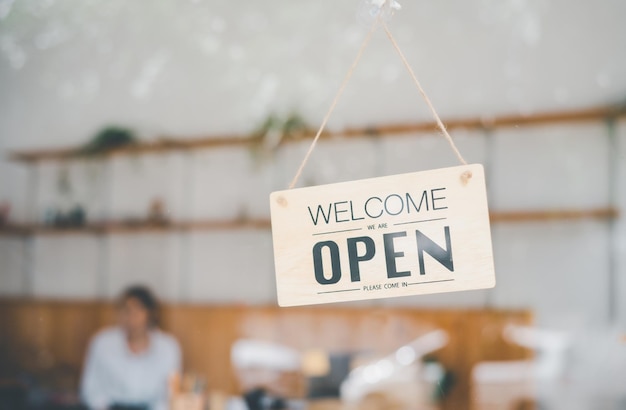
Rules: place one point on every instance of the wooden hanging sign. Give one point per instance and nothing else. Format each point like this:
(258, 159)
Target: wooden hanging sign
(410, 234)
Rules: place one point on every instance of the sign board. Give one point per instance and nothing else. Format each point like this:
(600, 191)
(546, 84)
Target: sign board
(410, 234)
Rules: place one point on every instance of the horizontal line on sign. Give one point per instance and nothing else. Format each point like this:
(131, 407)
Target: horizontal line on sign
(416, 222)
(335, 291)
(432, 281)
(345, 230)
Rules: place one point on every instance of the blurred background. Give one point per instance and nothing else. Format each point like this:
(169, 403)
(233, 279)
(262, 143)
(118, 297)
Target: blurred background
(140, 140)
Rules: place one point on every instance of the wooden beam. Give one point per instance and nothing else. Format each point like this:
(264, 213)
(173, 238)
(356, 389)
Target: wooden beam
(514, 120)
(167, 144)
(553, 215)
(120, 227)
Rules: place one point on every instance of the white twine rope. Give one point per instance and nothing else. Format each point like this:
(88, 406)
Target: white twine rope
(440, 124)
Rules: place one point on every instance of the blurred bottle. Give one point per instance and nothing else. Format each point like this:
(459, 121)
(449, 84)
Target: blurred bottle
(187, 392)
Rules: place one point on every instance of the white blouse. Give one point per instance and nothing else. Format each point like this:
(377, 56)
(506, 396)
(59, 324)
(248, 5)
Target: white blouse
(115, 375)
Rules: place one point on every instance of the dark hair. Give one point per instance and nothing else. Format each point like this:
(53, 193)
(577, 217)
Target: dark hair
(143, 295)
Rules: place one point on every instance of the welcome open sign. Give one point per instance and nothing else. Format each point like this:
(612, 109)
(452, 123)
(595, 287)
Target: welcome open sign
(409, 234)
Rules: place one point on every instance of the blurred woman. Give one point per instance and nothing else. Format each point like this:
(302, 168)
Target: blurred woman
(128, 366)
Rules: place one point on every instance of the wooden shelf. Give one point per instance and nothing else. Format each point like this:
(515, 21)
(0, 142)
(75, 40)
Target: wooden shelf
(161, 145)
(553, 215)
(134, 227)
(179, 144)
(264, 224)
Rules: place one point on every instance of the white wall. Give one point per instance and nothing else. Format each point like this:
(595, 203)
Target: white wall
(202, 68)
